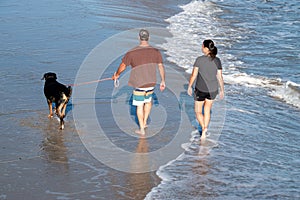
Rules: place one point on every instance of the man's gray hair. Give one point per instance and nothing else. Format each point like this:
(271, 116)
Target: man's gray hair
(144, 35)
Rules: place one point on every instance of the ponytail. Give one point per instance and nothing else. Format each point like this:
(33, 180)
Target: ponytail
(213, 50)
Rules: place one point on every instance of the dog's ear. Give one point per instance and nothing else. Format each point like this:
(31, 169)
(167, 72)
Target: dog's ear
(44, 77)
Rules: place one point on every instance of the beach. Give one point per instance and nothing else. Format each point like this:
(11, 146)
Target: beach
(251, 151)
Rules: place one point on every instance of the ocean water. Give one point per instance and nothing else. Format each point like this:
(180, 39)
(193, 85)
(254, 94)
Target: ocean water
(252, 151)
(256, 155)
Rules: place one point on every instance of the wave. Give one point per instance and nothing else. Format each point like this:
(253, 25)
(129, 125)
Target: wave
(288, 91)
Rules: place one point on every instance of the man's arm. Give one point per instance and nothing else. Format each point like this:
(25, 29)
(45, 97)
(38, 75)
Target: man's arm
(161, 69)
(121, 68)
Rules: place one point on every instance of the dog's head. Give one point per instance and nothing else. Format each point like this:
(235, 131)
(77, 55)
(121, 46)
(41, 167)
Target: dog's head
(49, 75)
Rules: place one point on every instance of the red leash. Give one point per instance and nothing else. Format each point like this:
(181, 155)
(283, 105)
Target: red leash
(116, 82)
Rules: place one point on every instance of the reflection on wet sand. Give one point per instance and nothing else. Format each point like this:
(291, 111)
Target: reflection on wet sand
(201, 168)
(53, 146)
(203, 153)
(140, 182)
(135, 185)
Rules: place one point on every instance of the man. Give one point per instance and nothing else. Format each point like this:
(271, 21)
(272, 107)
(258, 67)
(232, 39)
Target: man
(143, 59)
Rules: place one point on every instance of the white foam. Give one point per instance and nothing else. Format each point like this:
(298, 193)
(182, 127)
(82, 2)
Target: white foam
(288, 92)
(251, 80)
(188, 31)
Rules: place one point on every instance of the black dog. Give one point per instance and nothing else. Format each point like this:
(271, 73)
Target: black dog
(57, 93)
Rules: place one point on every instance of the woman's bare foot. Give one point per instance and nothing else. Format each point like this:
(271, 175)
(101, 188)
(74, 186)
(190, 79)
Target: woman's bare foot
(203, 135)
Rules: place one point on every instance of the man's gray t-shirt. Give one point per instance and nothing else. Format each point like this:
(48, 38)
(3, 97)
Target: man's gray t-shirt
(207, 74)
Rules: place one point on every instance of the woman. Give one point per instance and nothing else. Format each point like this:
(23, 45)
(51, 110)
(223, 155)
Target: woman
(207, 72)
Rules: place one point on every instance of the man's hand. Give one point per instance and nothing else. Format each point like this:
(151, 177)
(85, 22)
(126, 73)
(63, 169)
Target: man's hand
(162, 86)
(115, 76)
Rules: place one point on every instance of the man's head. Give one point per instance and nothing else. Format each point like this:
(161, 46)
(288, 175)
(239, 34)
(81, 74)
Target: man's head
(144, 35)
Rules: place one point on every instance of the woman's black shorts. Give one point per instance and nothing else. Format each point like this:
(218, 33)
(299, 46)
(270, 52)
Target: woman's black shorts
(201, 96)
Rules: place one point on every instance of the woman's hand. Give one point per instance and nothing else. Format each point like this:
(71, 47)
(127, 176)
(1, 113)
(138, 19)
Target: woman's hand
(190, 90)
(221, 94)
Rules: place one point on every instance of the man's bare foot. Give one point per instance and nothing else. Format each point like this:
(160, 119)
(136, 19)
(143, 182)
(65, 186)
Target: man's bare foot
(50, 116)
(141, 132)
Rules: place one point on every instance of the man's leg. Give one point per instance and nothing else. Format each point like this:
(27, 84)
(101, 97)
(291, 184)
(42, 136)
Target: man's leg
(140, 115)
(147, 110)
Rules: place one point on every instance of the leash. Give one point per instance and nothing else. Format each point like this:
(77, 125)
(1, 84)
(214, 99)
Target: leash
(116, 82)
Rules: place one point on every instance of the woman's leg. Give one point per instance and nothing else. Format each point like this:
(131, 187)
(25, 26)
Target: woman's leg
(198, 112)
(207, 110)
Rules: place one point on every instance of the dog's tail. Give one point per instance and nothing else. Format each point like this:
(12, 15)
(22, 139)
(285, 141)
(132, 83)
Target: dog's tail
(69, 93)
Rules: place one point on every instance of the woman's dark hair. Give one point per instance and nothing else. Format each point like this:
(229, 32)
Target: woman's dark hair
(213, 50)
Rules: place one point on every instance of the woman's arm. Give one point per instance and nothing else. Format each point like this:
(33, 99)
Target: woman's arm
(221, 83)
(192, 80)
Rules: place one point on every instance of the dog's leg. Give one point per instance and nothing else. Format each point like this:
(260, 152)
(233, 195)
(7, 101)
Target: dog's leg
(62, 123)
(50, 109)
(60, 114)
(57, 112)
(63, 110)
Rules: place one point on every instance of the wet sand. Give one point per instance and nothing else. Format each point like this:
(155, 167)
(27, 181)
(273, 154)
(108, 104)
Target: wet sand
(47, 163)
